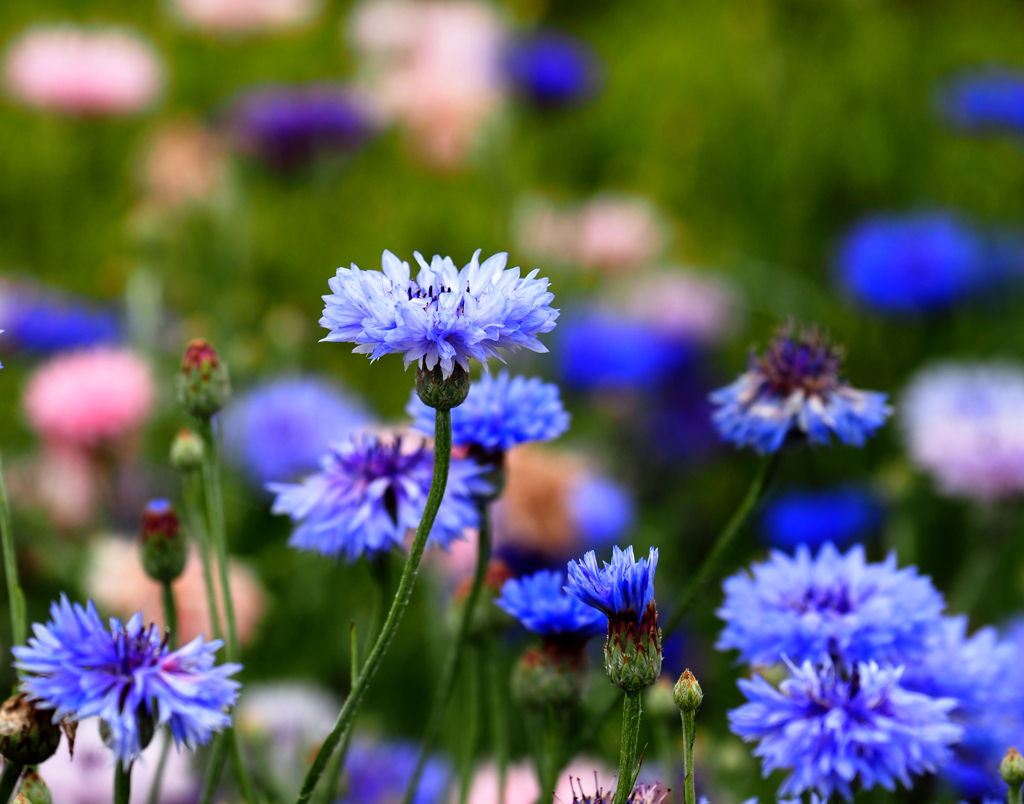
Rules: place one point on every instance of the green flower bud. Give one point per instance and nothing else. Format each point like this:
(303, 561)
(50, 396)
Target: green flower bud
(632, 654)
(187, 451)
(162, 544)
(1012, 768)
(203, 385)
(28, 736)
(33, 790)
(550, 675)
(688, 693)
(440, 393)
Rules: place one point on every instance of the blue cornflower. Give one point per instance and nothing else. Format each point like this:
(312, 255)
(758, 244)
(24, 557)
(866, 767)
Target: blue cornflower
(990, 100)
(43, 321)
(444, 316)
(378, 772)
(77, 667)
(602, 510)
(499, 413)
(795, 391)
(916, 263)
(540, 603)
(832, 733)
(640, 794)
(622, 589)
(841, 516)
(552, 69)
(280, 429)
(370, 492)
(833, 605)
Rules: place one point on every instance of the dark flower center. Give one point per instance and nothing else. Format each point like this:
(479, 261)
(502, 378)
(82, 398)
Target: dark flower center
(804, 361)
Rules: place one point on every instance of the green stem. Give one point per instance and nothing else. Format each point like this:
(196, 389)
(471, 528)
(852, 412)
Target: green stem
(170, 614)
(9, 780)
(666, 749)
(689, 738)
(14, 593)
(193, 510)
(442, 460)
(631, 709)
(552, 755)
(1015, 794)
(122, 784)
(337, 763)
(497, 683)
(446, 685)
(471, 724)
(238, 763)
(724, 541)
(158, 779)
(215, 768)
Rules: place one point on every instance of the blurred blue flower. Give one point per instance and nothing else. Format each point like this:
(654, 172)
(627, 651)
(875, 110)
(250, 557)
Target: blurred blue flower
(540, 603)
(370, 492)
(988, 100)
(833, 733)
(840, 516)
(922, 262)
(603, 350)
(443, 317)
(552, 69)
(43, 321)
(279, 430)
(77, 667)
(624, 588)
(499, 413)
(602, 510)
(289, 125)
(839, 606)
(796, 391)
(378, 772)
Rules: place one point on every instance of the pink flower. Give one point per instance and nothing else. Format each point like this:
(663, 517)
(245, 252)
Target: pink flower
(241, 16)
(521, 785)
(184, 165)
(684, 304)
(98, 71)
(86, 398)
(434, 67)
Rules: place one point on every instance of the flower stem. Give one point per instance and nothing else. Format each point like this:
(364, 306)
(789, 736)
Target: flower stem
(497, 683)
(552, 755)
(14, 593)
(171, 619)
(193, 510)
(215, 768)
(446, 685)
(9, 780)
(689, 738)
(471, 724)
(631, 709)
(1015, 794)
(724, 541)
(122, 783)
(442, 460)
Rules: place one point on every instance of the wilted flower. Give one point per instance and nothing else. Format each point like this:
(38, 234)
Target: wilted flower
(962, 424)
(244, 16)
(42, 321)
(83, 71)
(841, 516)
(378, 772)
(984, 101)
(551, 69)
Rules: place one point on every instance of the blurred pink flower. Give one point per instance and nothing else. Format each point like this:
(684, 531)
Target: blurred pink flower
(242, 16)
(434, 67)
(86, 398)
(521, 785)
(184, 164)
(584, 774)
(89, 777)
(86, 71)
(684, 304)
(116, 581)
(67, 486)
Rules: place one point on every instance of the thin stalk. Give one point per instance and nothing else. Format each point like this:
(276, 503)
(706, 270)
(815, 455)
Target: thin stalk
(193, 510)
(446, 685)
(689, 738)
(215, 768)
(1014, 794)
(238, 763)
(442, 460)
(497, 683)
(631, 710)
(9, 780)
(724, 541)
(666, 750)
(122, 783)
(171, 619)
(552, 754)
(14, 593)
(158, 779)
(471, 724)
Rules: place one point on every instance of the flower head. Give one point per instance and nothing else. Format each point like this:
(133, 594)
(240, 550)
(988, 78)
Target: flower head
(540, 603)
(377, 773)
(370, 492)
(640, 794)
(444, 316)
(984, 101)
(552, 69)
(796, 391)
(841, 516)
(499, 413)
(961, 424)
(42, 321)
(77, 667)
(831, 605)
(832, 733)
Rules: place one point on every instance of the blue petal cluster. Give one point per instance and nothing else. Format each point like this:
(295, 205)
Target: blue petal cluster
(832, 733)
(831, 605)
(42, 321)
(77, 667)
(279, 430)
(445, 316)
(795, 391)
(841, 516)
(625, 587)
(540, 603)
(986, 101)
(377, 773)
(370, 492)
(602, 510)
(552, 70)
(915, 263)
(499, 413)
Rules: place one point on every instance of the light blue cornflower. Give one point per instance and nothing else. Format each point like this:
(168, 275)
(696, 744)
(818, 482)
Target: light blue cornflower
(622, 589)
(499, 413)
(444, 316)
(378, 773)
(540, 603)
(839, 515)
(370, 491)
(795, 392)
(832, 733)
(77, 667)
(832, 605)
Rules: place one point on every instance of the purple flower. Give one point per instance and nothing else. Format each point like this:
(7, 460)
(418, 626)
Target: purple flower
(540, 603)
(77, 667)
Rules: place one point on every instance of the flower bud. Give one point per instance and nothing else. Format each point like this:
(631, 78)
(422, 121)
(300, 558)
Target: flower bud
(688, 693)
(632, 654)
(1012, 768)
(658, 700)
(550, 675)
(33, 789)
(162, 543)
(437, 392)
(203, 385)
(28, 736)
(187, 451)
